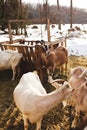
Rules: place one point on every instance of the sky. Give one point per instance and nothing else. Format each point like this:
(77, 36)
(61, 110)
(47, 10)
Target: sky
(76, 3)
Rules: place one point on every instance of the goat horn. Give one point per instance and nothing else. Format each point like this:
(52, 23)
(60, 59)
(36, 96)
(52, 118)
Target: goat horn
(57, 80)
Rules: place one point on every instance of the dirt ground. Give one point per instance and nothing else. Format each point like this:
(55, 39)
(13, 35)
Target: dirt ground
(59, 118)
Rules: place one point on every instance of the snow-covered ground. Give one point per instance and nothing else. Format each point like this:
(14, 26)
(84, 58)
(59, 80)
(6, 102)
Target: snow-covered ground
(77, 46)
(76, 40)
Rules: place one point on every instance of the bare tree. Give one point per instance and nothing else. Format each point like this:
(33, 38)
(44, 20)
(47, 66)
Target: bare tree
(58, 7)
(71, 12)
(47, 12)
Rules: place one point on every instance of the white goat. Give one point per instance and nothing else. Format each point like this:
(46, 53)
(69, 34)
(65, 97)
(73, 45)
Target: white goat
(33, 101)
(78, 81)
(10, 59)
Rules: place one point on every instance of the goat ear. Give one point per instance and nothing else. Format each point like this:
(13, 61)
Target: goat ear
(83, 74)
(35, 72)
(55, 45)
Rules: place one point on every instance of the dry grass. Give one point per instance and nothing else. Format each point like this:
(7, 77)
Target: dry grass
(59, 118)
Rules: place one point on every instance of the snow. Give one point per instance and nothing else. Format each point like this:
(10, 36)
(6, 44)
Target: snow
(77, 46)
(76, 41)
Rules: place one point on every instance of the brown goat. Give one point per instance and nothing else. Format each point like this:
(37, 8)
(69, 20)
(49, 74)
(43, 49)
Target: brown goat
(54, 58)
(78, 81)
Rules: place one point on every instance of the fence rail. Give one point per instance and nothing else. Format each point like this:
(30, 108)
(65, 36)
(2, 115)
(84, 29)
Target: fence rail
(31, 54)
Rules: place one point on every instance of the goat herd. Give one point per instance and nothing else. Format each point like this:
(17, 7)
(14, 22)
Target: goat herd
(30, 95)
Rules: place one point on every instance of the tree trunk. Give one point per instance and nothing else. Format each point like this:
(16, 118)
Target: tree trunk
(71, 10)
(58, 7)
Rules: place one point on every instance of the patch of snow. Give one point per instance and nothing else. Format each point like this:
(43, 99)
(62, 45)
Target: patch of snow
(76, 40)
(77, 46)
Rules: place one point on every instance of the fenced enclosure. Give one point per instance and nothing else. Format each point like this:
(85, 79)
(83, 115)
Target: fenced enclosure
(31, 54)
(47, 21)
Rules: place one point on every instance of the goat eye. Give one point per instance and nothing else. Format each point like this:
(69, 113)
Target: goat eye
(67, 86)
(86, 84)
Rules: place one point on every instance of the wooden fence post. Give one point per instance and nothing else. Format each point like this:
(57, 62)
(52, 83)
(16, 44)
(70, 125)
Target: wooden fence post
(48, 29)
(10, 34)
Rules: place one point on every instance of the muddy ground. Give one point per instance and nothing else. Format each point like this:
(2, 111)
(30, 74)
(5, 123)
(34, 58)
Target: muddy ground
(59, 118)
